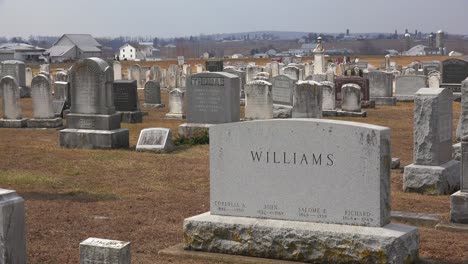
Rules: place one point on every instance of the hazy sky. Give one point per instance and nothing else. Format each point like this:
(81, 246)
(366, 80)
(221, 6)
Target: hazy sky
(170, 18)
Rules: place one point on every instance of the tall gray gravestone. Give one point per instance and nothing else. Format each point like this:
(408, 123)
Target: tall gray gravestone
(433, 170)
(307, 100)
(262, 204)
(241, 75)
(283, 88)
(153, 94)
(12, 228)
(44, 116)
(135, 73)
(259, 100)
(117, 70)
(93, 121)
(212, 98)
(381, 87)
(12, 115)
(459, 200)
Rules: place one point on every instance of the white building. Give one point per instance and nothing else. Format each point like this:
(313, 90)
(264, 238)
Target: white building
(141, 51)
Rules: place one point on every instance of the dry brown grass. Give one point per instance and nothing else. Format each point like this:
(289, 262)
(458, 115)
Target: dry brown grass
(145, 197)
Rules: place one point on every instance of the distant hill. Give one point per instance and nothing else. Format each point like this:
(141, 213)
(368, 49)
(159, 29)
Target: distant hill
(284, 35)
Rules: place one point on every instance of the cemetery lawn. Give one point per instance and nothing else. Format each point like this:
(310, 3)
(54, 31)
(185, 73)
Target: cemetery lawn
(143, 198)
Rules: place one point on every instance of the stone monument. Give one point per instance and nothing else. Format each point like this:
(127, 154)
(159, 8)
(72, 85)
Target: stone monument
(433, 170)
(12, 115)
(104, 251)
(157, 140)
(126, 101)
(44, 116)
(320, 199)
(93, 121)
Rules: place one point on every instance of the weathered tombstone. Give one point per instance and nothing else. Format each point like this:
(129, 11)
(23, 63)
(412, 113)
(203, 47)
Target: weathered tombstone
(182, 82)
(274, 66)
(251, 72)
(157, 73)
(253, 203)
(283, 89)
(157, 140)
(44, 116)
(259, 100)
(459, 200)
(12, 115)
(93, 122)
(407, 85)
(362, 82)
(117, 70)
(351, 98)
(153, 94)
(241, 75)
(17, 70)
(307, 100)
(44, 68)
(135, 73)
(28, 77)
(328, 96)
(126, 101)
(433, 79)
(292, 72)
(433, 170)
(104, 251)
(172, 76)
(381, 87)
(176, 104)
(429, 66)
(12, 228)
(214, 65)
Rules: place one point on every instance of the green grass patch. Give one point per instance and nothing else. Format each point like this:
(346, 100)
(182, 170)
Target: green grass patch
(28, 178)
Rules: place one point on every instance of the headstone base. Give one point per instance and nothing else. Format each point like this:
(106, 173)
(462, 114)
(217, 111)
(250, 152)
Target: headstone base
(13, 230)
(457, 151)
(301, 241)
(94, 139)
(341, 113)
(404, 98)
(153, 105)
(96, 250)
(388, 101)
(459, 208)
(13, 123)
(93, 122)
(282, 111)
(175, 116)
(435, 180)
(131, 117)
(45, 123)
(368, 104)
(190, 130)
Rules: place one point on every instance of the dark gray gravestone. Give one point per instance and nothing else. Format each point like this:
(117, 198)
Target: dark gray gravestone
(125, 95)
(213, 98)
(214, 65)
(152, 93)
(454, 71)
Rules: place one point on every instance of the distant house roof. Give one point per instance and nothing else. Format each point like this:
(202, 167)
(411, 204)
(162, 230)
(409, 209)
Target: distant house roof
(58, 51)
(84, 42)
(19, 47)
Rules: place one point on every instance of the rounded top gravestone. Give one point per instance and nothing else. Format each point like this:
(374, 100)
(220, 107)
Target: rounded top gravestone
(92, 87)
(11, 97)
(42, 97)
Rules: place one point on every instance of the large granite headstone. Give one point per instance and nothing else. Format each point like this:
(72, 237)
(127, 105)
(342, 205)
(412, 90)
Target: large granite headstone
(44, 115)
(454, 71)
(433, 170)
(93, 121)
(213, 98)
(214, 65)
(270, 194)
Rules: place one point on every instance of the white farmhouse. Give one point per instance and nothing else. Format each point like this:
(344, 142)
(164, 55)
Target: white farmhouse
(140, 51)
